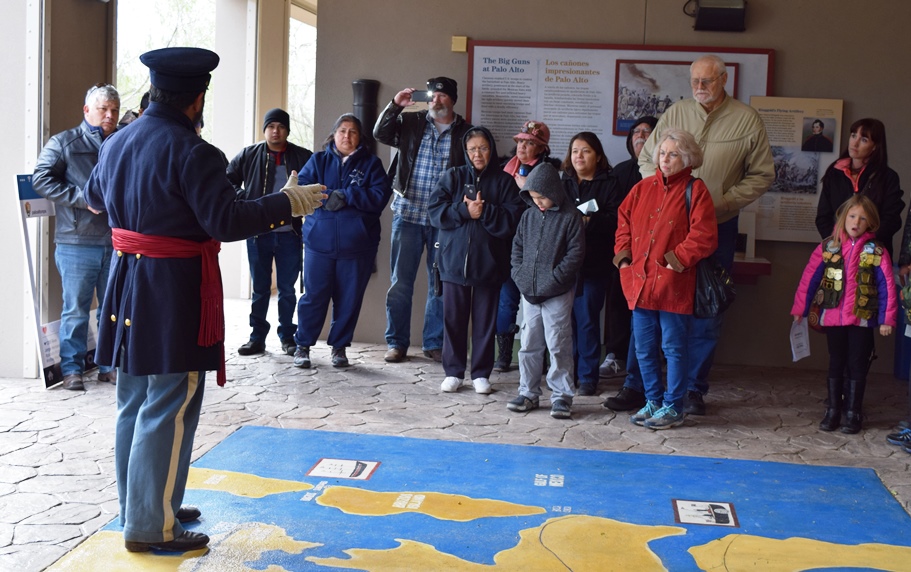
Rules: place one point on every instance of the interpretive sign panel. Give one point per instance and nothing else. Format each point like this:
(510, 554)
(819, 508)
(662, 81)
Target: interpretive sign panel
(574, 87)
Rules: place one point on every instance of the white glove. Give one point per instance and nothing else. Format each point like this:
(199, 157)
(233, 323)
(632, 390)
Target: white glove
(304, 198)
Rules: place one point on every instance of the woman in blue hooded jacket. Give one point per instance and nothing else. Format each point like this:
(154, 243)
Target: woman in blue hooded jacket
(340, 239)
(477, 208)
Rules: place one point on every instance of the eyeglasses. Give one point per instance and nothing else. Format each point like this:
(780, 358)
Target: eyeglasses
(478, 150)
(642, 130)
(695, 82)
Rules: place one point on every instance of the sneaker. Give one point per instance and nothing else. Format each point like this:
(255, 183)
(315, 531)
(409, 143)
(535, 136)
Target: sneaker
(451, 384)
(522, 404)
(693, 403)
(901, 438)
(560, 409)
(289, 347)
(394, 355)
(481, 385)
(302, 357)
(252, 347)
(435, 354)
(587, 389)
(647, 412)
(627, 399)
(339, 359)
(612, 367)
(665, 418)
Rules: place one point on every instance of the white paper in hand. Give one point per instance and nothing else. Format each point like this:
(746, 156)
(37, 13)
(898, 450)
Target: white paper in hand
(588, 207)
(800, 340)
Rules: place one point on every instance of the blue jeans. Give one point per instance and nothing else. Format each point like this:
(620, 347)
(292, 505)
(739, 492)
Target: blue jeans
(285, 249)
(157, 416)
(653, 328)
(508, 307)
(408, 243)
(84, 272)
(706, 331)
(587, 329)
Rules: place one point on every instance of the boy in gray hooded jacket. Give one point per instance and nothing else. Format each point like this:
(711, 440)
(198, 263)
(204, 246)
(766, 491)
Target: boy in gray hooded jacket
(547, 253)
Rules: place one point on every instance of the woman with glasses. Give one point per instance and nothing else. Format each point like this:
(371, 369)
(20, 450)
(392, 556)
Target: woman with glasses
(477, 208)
(532, 147)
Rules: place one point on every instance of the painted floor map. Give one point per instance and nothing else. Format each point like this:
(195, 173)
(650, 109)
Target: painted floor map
(279, 500)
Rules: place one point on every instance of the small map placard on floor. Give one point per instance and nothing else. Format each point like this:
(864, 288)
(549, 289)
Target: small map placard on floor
(343, 469)
(705, 512)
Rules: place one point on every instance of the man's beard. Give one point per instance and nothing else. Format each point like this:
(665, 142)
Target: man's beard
(438, 112)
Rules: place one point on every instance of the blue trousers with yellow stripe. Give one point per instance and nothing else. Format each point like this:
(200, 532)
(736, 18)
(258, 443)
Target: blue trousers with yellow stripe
(157, 417)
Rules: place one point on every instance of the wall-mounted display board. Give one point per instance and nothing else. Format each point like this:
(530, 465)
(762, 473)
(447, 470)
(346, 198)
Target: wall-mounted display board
(592, 87)
(805, 138)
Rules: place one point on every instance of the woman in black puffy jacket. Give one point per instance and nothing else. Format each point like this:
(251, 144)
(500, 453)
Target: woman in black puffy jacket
(476, 207)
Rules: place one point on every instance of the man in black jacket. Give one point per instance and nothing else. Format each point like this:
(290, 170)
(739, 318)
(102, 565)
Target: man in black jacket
(258, 170)
(82, 234)
(429, 142)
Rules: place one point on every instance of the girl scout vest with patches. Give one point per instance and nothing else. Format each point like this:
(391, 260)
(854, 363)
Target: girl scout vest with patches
(832, 285)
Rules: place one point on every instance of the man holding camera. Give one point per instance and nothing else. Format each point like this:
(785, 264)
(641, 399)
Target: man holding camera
(428, 143)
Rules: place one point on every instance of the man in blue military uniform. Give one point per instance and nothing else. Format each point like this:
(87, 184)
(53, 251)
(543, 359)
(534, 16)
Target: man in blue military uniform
(169, 203)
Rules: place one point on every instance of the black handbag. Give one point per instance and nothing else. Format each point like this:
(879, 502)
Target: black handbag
(714, 286)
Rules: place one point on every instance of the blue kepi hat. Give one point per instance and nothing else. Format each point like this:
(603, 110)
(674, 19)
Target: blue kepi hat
(180, 69)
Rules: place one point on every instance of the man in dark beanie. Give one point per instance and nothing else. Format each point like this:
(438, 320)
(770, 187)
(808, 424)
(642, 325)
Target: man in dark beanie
(258, 170)
(428, 143)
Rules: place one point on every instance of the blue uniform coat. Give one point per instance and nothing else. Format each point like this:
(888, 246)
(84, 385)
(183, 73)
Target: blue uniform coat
(157, 177)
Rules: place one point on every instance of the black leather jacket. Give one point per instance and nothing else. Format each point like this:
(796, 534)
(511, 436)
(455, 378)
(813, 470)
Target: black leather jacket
(404, 131)
(61, 171)
(252, 171)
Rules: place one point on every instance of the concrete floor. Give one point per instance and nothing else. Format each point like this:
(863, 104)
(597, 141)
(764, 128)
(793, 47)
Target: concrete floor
(56, 447)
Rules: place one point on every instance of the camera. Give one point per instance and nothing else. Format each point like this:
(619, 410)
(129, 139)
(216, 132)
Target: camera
(524, 170)
(424, 96)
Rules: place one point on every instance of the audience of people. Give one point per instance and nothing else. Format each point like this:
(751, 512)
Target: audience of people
(456, 198)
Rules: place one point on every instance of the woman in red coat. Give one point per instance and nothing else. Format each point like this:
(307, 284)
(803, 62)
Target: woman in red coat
(658, 245)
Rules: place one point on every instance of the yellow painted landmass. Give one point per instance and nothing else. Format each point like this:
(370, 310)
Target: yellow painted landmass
(737, 552)
(579, 543)
(443, 506)
(241, 484)
(227, 552)
(104, 551)
(230, 552)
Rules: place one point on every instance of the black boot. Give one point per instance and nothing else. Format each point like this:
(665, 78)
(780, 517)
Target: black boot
(854, 401)
(504, 350)
(833, 405)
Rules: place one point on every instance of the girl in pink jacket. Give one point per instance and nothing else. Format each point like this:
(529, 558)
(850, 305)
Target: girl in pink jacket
(850, 278)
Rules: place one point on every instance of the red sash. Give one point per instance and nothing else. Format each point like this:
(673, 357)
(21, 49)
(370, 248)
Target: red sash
(212, 315)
